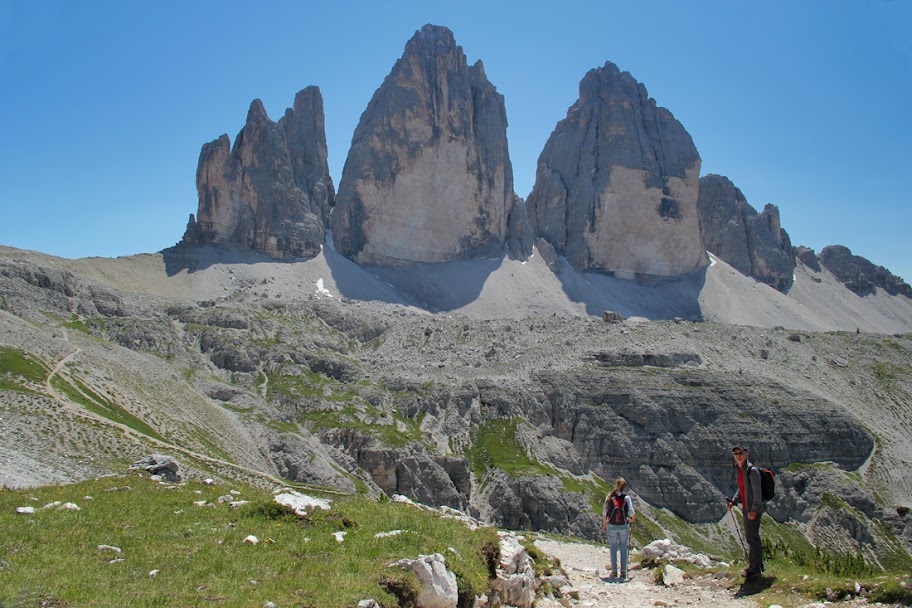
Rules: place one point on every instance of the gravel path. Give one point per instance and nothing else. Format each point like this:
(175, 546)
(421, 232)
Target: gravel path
(587, 567)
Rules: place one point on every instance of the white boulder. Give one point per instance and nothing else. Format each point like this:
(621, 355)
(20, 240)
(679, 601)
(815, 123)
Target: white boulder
(438, 585)
(301, 502)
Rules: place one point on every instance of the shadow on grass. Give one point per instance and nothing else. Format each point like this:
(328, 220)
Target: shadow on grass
(755, 585)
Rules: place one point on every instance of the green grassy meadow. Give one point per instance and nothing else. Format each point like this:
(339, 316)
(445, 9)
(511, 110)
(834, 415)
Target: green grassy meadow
(174, 553)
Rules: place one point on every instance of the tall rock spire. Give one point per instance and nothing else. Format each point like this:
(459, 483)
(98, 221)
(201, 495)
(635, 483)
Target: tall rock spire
(428, 177)
(272, 192)
(617, 182)
(752, 242)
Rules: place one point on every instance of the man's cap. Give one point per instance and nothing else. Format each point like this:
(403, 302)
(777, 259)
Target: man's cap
(735, 448)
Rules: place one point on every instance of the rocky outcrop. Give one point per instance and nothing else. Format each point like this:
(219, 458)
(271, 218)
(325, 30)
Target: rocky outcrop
(752, 242)
(808, 257)
(665, 441)
(616, 185)
(272, 192)
(428, 177)
(859, 274)
(535, 503)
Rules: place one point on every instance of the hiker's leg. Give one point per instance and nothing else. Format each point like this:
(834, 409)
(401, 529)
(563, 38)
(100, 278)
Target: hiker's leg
(754, 544)
(623, 538)
(613, 545)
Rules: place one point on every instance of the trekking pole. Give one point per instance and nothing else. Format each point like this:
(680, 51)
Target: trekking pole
(738, 531)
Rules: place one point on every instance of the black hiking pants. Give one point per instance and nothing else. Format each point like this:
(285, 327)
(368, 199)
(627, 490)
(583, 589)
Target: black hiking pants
(754, 544)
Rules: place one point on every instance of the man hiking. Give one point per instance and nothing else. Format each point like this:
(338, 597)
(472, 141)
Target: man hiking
(750, 496)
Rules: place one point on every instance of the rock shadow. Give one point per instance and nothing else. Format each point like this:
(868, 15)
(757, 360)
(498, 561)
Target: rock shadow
(654, 298)
(363, 283)
(440, 287)
(194, 258)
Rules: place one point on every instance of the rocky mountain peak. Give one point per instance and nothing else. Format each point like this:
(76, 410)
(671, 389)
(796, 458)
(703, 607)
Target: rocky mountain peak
(616, 185)
(428, 177)
(754, 243)
(859, 274)
(272, 191)
(256, 114)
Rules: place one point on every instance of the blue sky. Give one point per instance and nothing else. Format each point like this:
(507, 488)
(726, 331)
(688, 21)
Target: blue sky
(105, 104)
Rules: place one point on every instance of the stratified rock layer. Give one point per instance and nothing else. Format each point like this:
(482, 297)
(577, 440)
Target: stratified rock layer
(616, 185)
(272, 192)
(752, 242)
(428, 177)
(859, 274)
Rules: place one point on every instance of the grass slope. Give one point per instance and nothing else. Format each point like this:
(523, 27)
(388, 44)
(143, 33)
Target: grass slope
(51, 558)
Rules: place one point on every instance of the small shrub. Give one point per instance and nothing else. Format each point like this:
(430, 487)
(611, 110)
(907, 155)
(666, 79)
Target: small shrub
(891, 593)
(403, 586)
(270, 510)
(491, 553)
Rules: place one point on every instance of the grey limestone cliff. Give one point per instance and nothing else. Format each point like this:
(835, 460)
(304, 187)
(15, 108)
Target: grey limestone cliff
(752, 242)
(428, 177)
(616, 184)
(859, 274)
(272, 192)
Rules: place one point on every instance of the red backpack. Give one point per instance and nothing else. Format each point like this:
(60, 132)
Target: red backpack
(617, 510)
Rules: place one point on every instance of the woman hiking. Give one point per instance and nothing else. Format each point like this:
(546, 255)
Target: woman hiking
(617, 515)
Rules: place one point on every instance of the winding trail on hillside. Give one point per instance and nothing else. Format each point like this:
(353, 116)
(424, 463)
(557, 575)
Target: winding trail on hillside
(142, 438)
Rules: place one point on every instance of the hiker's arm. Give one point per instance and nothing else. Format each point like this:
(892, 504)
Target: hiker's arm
(756, 505)
(631, 514)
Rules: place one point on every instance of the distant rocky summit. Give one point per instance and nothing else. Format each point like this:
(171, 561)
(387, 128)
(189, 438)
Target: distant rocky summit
(428, 177)
(859, 274)
(272, 192)
(616, 185)
(752, 242)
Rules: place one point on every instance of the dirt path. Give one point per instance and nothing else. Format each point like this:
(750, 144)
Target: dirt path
(588, 567)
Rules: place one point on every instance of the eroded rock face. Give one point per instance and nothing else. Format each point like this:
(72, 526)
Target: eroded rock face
(617, 183)
(428, 177)
(272, 192)
(859, 274)
(808, 257)
(752, 242)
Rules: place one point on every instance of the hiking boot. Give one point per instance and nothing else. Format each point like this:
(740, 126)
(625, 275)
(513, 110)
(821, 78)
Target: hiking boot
(751, 577)
(613, 574)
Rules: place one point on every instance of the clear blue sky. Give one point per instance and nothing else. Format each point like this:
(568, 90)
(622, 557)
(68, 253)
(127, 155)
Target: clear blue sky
(105, 103)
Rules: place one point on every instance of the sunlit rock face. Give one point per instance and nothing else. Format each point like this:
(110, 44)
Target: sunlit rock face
(617, 183)
(428, 177)
(272, 191)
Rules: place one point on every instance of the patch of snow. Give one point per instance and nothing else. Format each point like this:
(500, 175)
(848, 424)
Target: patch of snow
(322, 290)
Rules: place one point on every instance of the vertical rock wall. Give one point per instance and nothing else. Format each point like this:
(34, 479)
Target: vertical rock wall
(617, 183)
(428, 177)
(272, 192)
(752, 242)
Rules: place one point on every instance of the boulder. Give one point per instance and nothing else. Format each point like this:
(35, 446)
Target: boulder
(753, 243)
(301, 503)
(157, 464)
(428, 177)
(617, 182)
(438, 585)
(272, 191)
(672, 576)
